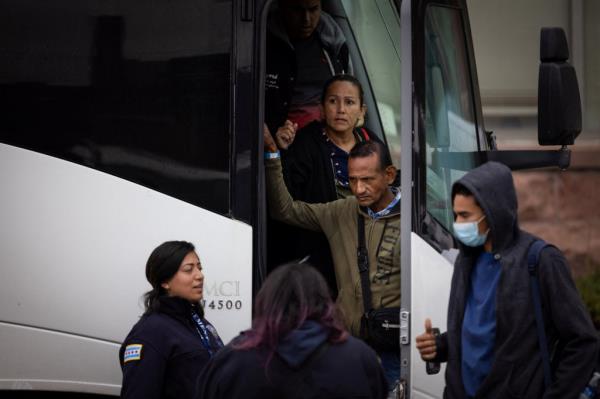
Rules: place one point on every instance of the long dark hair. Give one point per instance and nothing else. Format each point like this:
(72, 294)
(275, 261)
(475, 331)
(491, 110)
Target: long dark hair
(292, 294)
(162, 264)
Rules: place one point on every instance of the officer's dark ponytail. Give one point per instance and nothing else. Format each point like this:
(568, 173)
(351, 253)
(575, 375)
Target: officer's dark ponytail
(162, 264)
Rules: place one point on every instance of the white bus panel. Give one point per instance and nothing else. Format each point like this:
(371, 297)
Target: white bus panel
(431, 274)
(73, 246)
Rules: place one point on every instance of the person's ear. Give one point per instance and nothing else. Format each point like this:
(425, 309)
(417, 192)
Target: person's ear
(390, 174)
(360, 121)
(165, 286)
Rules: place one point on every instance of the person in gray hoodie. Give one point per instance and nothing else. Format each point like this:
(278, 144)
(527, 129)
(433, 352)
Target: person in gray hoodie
(305, 47)
(491, 344)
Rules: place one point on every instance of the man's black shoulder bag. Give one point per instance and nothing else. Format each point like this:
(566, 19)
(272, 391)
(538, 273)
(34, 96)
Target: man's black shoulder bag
(380, 328)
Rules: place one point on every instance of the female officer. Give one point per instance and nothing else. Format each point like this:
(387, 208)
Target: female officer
(167, 348)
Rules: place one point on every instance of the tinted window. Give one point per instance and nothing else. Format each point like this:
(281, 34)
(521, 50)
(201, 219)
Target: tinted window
(139, 89)
(376, 27)
(450, 130)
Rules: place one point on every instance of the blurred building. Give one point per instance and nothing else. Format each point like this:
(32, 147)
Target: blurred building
(561, 207)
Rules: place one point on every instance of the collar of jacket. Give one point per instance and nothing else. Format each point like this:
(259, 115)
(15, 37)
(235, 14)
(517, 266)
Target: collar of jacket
(178, 307)
(503, 255)
(395, 211)
(320, 126)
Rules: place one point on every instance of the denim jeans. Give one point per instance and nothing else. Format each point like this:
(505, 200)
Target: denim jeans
(390, 361)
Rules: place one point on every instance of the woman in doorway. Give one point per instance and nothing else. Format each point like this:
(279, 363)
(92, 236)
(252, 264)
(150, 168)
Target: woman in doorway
(316, 164)
(167, 348)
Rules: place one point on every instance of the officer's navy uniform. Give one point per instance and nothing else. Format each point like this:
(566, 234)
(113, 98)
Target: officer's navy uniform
(165, 351)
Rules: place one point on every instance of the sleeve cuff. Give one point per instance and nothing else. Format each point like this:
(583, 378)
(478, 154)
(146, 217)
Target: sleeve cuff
(272, 155)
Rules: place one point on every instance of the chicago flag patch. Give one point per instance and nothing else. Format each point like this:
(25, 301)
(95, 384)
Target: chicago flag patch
(132, 352)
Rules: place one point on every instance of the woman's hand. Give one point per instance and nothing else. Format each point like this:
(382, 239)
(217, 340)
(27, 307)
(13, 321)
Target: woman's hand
(426, 343)
(285, 134)
(269, 143)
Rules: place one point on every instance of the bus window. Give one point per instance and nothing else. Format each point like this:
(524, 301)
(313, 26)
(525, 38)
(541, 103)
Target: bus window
(376, 27)
(449, 110)
(137, 89)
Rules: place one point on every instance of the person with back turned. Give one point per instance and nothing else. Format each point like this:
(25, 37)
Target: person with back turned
(297, 348)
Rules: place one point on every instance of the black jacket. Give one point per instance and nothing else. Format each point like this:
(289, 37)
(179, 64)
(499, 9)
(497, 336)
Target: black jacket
(517, 369)
(171, 355)
(307, 168)
(301, 368)
(281, 69)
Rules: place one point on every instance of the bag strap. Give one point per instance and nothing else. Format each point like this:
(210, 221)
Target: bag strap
(533, 258)
(364, 132)
(362, 257)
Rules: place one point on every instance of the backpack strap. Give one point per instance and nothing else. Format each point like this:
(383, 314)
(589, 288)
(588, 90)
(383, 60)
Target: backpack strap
(533, 259)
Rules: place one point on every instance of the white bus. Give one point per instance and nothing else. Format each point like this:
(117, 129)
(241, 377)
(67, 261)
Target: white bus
(128, 123)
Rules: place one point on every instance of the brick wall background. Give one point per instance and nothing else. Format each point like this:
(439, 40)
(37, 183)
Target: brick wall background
(563, 208)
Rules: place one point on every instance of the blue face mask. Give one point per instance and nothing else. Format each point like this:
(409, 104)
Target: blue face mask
(468, 233)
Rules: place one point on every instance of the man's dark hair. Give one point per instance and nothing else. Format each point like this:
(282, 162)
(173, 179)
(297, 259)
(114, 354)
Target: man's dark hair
(343, 77)
(370, 147)
(458, 188)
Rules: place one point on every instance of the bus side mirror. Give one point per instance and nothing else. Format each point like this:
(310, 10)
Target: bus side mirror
(559, 104)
